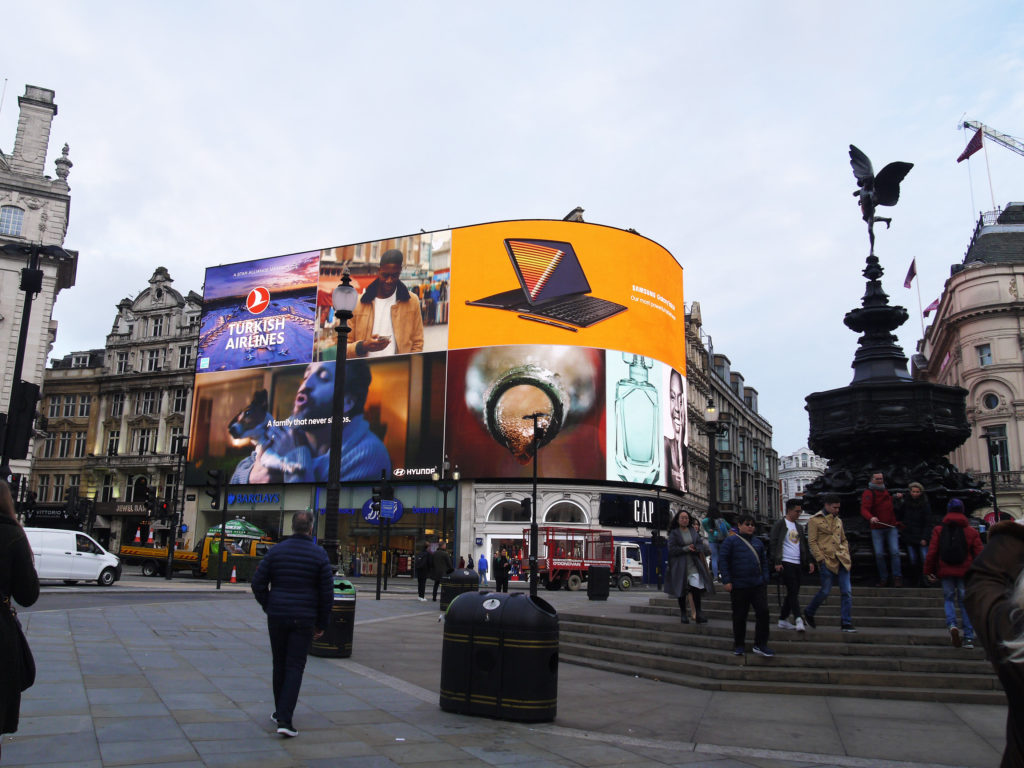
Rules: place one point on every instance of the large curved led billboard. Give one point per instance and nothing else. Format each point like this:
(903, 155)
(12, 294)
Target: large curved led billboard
(460, 342)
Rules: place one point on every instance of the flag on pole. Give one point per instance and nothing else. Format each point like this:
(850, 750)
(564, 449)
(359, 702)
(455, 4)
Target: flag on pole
(911, 273)
(972, 146)
(931, 308)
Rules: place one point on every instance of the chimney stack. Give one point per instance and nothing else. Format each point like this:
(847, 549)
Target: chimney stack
(37, 111)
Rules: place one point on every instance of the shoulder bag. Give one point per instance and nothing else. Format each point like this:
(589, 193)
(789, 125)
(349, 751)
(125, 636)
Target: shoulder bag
(23, 654)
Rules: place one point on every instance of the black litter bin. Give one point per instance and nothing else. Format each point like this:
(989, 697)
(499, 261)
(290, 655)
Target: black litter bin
(599, 579)
(455, 583)
(336, 642)
(500, 657)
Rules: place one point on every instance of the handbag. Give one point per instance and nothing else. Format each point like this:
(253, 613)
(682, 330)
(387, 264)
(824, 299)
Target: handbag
(27, 665)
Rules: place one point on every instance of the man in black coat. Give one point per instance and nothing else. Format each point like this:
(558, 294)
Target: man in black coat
(295, 587)
(440, 566)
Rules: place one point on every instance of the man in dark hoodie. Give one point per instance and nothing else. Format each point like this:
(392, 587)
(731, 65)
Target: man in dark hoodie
(953, 547)
(387, 320)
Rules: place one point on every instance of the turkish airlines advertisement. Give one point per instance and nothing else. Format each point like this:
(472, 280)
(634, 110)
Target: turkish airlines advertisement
(488, 344)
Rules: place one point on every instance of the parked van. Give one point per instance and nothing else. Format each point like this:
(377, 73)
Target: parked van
(72, 557)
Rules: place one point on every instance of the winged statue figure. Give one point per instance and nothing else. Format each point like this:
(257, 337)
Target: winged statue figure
(873, 191)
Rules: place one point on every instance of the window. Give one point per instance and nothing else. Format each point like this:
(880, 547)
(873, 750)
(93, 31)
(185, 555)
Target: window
(58, 487)
(142, 440)
(185, 356)
(84, 403)
(508, 512)
(742, 447)
(48, 444)
(64, 446)
(79, 445)
(803, 459)
(79, 361)
(722, 442)
(1000, 447)
(180, 399)
(117, 404)
(158, 326)
(122, 362)
(11, 218)
(753, 457)
(990, 401)
(724, 485)
(113, 441)
(170, 484)
(69, 406)
(147, 402)
(107, 490)
(177, 439)
(153, 359)
(565, 512)
(984, 354)
(43, 488)
(74, 483)
(54, 411)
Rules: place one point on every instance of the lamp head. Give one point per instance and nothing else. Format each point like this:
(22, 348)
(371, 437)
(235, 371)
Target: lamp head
(711, 413)
(344, 296)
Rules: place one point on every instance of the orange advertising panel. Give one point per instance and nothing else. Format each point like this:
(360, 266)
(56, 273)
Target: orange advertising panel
(517, 282)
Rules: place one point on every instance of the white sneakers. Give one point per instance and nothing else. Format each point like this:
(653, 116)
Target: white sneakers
(800, 625)
(783, 624)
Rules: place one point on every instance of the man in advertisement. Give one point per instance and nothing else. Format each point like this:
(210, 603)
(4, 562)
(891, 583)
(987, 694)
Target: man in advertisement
(387, 320)
(363, 455)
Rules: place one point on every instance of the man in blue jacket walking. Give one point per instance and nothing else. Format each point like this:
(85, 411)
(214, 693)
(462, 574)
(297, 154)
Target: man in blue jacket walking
(294, 585)
(744, 564)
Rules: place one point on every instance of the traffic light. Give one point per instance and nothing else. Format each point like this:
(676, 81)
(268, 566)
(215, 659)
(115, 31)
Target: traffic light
(527, 504)
(151, 501)
(21, 418)
(378, 494)
(214, 480)
(163, 508)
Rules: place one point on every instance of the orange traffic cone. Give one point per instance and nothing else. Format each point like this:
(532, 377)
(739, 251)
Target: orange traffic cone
(138, 535)
(234, 575)
(150, 539)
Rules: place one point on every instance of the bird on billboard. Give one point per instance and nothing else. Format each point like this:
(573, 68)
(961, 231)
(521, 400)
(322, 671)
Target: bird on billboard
(576, 214)
(873, 191)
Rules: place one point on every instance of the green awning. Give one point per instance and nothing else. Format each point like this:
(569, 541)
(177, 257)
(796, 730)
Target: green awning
(238, 527)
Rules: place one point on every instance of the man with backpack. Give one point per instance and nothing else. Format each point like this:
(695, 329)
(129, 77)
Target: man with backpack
(421, 567)
(716, 530)
(953, 547)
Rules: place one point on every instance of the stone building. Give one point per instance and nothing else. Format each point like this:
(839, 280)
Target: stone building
(798, 470)
(34, 210)
(976, 341)
(132, 402)
(746, 466)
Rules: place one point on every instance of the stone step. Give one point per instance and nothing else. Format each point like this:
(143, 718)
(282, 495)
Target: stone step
(826, 615)
(751, 686)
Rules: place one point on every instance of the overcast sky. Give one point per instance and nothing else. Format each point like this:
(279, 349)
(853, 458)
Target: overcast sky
(211, 132)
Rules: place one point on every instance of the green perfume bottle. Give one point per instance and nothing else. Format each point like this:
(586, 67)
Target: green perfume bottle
(636, 423)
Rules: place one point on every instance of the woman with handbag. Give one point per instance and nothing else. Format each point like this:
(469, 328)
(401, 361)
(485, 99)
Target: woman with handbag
(687, 566)
(18, 581)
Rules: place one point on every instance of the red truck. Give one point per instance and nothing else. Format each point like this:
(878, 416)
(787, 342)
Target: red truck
(564, 555)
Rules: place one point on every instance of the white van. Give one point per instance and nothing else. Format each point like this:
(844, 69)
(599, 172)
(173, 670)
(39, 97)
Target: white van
(72, 557)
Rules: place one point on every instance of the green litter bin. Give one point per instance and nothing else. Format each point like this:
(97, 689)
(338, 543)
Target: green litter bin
(336, 642)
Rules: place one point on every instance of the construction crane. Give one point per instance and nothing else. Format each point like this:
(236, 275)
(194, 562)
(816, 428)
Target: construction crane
(1015, 145)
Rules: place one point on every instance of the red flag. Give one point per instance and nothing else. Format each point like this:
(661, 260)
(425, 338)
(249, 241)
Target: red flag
(931, 308)
(911, 273)
(972, 146)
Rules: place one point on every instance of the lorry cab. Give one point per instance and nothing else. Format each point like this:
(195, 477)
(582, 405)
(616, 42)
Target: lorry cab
(71, 556)
(629, 564)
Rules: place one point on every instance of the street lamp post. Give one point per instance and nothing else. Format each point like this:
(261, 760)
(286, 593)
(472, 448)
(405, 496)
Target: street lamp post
(712, 429)
(993, 451)
(538, 435)
(343, 299)
(445, 481)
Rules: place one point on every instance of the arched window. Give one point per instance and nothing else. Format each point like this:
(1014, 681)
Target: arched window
(10, 220)
(508, 512)
(803, 459)
(565, 512)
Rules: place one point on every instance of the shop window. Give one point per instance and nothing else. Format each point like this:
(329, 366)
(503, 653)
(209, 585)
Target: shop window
(508, 512)
(565, 512)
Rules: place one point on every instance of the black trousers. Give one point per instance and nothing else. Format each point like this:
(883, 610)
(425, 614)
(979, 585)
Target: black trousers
(421, 584)
(437, 584)
(791, 581)
(501, 583)
(742, 600)
(290, 641)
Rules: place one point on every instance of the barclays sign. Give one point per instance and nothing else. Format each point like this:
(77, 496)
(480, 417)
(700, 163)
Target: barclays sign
(254, 498)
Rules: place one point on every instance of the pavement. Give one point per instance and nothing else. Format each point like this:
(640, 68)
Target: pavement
(186, 683)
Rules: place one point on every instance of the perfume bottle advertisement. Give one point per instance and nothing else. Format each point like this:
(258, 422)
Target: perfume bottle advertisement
(490, 393)
(635, 449)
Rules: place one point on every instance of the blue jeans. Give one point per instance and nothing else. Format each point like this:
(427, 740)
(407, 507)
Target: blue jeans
(846, 602)
(917, 554)
(886, 538)
(714, 558)
(290, 641)
(953, 593)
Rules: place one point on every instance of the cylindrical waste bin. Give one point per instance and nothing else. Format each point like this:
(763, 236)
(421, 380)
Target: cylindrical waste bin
(336, 642)
(598, 582)
(455, 583)
(500, 657)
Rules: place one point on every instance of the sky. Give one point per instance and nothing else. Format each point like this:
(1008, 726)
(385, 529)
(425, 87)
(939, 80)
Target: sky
(205, 133)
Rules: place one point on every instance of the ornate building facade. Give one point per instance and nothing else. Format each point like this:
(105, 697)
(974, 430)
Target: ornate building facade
(976, 341)
(132, 403)
(798, 470)
(34, 211)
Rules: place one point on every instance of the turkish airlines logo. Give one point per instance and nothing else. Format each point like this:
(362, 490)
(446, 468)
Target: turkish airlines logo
(257, 300)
